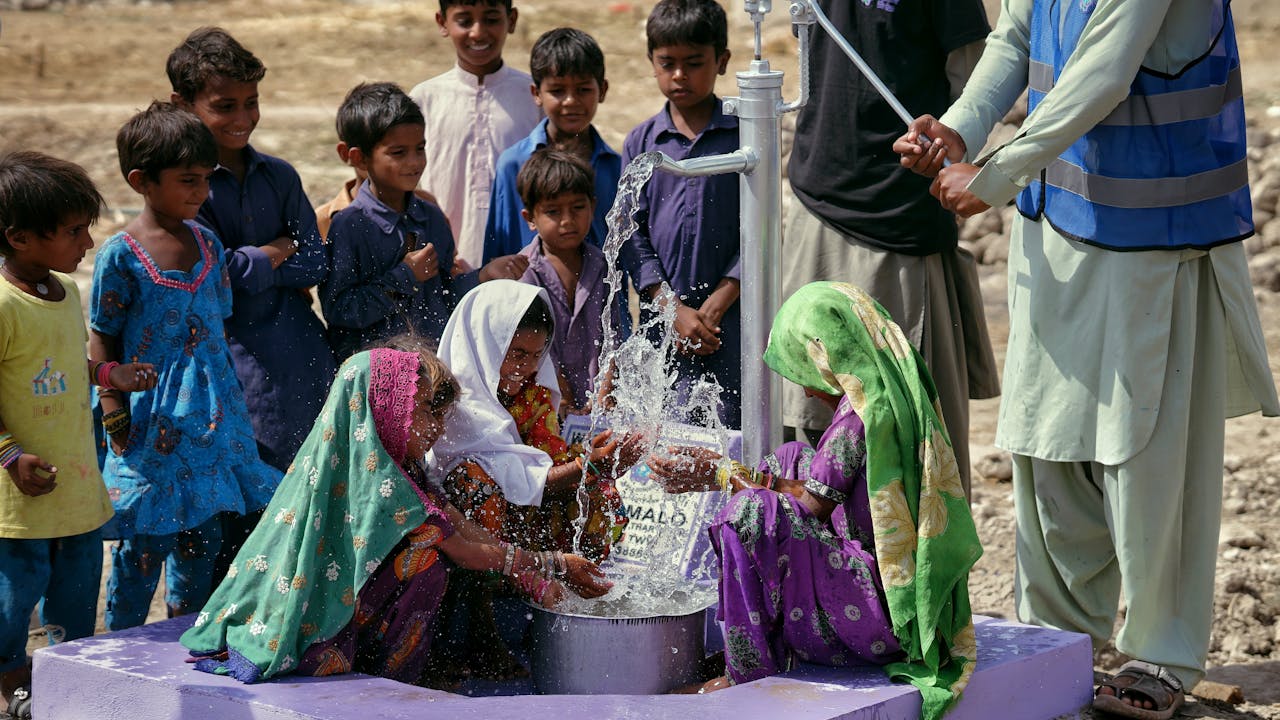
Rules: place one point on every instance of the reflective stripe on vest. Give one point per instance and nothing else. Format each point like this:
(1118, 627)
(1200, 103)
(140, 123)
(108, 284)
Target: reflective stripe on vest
(1163, 109)
(1119, 186)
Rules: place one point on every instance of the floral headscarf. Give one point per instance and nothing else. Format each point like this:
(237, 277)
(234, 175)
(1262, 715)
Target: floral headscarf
(343, 505)
(833, 337)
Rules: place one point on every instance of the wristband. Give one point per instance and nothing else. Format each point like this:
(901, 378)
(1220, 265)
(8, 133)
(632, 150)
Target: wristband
(508, 563)
(102, 374)
(10, 450)
(116, 420)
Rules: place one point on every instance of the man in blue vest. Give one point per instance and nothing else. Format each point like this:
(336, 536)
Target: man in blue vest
(1132, 326)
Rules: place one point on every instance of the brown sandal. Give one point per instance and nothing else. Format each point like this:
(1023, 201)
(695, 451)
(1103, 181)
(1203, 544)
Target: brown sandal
(1139, 682)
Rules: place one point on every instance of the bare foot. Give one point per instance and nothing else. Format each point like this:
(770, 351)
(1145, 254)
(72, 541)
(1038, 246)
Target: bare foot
(714, 684)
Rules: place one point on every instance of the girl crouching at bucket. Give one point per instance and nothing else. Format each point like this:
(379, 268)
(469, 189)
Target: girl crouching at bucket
(857, 551)
(344, 572)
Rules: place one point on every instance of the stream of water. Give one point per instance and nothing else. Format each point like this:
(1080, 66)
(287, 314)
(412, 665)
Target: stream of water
(644, 400)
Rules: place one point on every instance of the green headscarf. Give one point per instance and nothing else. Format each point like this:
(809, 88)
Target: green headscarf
(833, 337)
(340, 510)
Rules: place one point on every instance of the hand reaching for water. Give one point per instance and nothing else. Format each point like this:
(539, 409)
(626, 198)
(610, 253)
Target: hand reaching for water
(685, 469)
(584, 577)
(613, 457)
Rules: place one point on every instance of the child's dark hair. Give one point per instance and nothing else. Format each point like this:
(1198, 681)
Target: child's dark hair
(566, 51)
(537, 318)
(39, 192)
(370, 110)
(687, 22)
(550, 173)
(164, 136)
(210, 52)
(446, 4)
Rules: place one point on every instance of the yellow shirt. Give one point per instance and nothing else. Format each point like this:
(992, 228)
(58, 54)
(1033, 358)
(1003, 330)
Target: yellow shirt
(44, 402)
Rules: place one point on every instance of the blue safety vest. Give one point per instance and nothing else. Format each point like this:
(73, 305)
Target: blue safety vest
(1166, 169)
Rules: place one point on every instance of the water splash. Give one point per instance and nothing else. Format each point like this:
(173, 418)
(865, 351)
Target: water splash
(643, 379)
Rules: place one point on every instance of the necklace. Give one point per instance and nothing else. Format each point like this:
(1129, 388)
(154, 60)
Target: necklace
(40, 286)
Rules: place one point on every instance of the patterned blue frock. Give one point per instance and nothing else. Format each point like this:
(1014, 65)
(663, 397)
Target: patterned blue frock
(190, 452)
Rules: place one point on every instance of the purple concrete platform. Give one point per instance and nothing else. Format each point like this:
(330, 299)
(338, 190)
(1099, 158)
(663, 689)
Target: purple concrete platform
(1024, 673)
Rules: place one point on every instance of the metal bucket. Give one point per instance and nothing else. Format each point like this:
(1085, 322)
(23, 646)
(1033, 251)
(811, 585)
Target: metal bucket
(583, 655)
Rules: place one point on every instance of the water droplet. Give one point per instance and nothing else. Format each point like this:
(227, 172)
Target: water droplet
(675, 650)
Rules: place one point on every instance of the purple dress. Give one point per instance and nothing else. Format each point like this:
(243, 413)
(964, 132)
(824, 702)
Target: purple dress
(791, 586)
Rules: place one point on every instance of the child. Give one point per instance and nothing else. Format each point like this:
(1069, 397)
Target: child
(258, 209)
(505, 461)
(505, 464)
(361, 587)
(184, 452)
(688, 227)
(52, 500)
(473, 112)
(392, 252)
(559, 194)
(273, 254)
(346, 126)
(800, 574)
(568, 84)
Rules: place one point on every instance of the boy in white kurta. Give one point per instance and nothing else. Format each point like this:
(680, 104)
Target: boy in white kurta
(474, 111)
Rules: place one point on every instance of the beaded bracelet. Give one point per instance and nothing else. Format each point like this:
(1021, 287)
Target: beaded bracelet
(116, 421)
(10, 450)
(102, 374)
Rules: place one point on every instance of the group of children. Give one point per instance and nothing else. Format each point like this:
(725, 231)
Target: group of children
(211, 365)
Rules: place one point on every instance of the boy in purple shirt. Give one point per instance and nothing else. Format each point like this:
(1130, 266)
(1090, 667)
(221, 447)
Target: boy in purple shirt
(392, 251)
(688, 227)
(273, 253)
(558, 191)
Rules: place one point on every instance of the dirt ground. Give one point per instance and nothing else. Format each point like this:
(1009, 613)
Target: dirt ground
(70, 75)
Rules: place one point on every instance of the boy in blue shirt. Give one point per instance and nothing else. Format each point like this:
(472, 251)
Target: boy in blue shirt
(392, 251)
(568, 85)
(273, 252)
(688, 227)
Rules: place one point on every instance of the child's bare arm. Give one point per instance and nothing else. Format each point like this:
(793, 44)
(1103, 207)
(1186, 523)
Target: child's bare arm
(106, 348)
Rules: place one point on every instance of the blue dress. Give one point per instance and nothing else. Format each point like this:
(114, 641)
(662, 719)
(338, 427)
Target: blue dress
(190, 453)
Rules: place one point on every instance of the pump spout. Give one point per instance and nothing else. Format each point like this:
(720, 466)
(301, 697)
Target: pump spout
(742, 160)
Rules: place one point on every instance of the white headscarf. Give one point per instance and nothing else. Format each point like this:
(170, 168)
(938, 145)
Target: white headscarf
(480, 429)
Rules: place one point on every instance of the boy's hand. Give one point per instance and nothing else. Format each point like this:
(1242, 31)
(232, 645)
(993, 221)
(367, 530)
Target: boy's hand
(951, 189)
(134, 377)
(423, 262)
(697, 336)
(507, 267)
(719, 302)
(26, 474)
(925, 156)
(279, 250)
